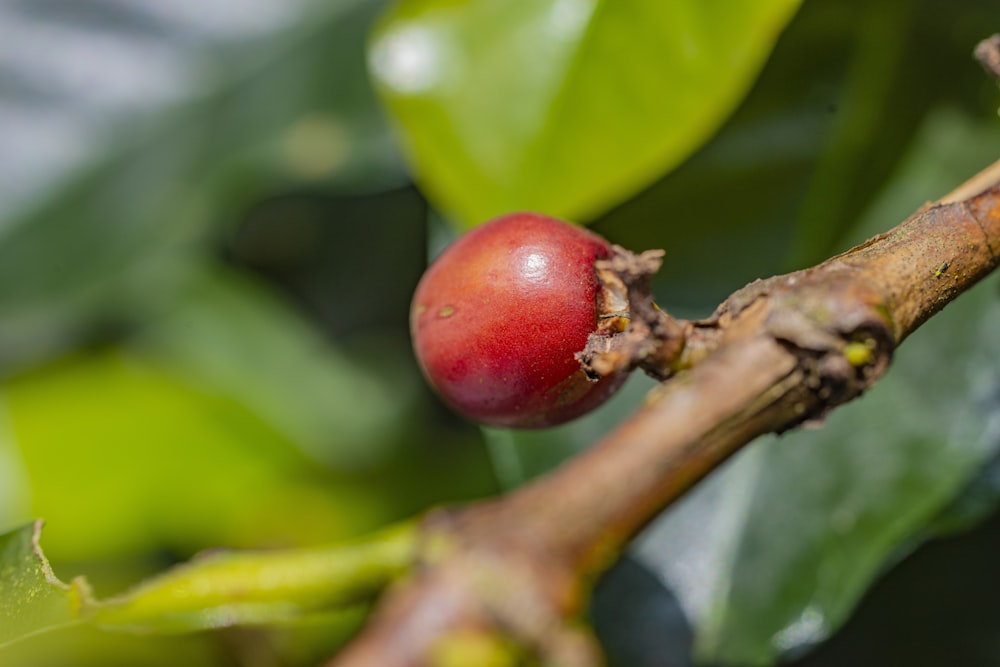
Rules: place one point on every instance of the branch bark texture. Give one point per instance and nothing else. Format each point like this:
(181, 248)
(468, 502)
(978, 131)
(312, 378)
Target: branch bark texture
(516, 571)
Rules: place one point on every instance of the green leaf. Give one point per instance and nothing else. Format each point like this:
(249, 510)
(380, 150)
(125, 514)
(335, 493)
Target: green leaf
(32, 599)
(562, 106)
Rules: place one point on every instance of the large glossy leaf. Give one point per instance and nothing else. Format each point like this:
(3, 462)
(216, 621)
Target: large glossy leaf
(130, 131)
(563, 106)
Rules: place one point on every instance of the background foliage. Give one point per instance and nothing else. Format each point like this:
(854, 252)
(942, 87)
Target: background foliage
(208, 240)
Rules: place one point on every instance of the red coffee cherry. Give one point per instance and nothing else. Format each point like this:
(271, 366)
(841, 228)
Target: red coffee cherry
(497, 319)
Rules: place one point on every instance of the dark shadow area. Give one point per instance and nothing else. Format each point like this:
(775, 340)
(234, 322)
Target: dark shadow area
(638, 621)
(939, 606)
(351, 262)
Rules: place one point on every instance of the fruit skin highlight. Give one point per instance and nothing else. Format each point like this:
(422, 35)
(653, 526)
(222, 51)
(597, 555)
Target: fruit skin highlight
(497, 319)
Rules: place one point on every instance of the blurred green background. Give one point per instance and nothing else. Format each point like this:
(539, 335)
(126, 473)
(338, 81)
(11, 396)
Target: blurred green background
(212, 218)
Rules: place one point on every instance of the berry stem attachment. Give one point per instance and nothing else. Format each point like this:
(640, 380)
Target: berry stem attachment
(646, 337)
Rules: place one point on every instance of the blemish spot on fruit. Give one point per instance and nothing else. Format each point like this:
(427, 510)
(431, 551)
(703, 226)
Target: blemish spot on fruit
(447, 311)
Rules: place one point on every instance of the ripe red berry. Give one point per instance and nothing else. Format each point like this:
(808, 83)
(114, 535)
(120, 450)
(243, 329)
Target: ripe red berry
(498, 317)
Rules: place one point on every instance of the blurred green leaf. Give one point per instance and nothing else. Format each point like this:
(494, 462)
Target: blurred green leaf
(32, 599)
(232, 335)
(976, 503)
(562, 106)
(849, 173)
(123, 456)
(898, 67)
(519, 455)
(772, 552)
(131, 132)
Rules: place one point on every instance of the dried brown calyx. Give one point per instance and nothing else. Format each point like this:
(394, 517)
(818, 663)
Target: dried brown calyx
(633, 332)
